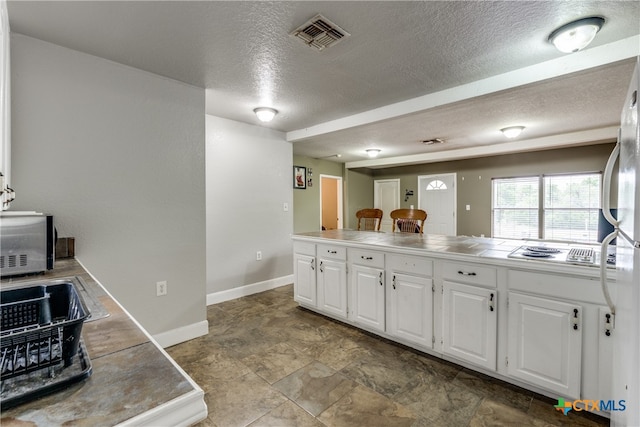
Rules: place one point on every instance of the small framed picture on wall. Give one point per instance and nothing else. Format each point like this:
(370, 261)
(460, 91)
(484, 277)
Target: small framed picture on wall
(299, 177)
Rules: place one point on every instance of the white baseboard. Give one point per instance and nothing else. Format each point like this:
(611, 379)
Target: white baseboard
(246, 290)
(182, 334)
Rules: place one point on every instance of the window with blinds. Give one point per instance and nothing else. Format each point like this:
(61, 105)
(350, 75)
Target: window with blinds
(515, 210)
(571, 205)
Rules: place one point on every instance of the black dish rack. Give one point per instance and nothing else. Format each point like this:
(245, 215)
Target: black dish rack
(41, 327)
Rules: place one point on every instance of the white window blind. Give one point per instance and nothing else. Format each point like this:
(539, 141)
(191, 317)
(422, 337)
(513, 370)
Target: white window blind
(571, 204)
(515, 207)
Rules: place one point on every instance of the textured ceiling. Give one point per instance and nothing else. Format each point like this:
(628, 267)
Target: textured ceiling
(242, 53)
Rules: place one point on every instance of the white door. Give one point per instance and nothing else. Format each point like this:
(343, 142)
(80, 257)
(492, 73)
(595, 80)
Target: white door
(410, 308)
(545, 343)
(437, 196)
(386, 196)
(368, 296)
(470, 323)
(332, 287)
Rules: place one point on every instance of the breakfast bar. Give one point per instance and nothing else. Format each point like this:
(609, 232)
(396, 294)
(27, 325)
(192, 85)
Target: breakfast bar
(540, 323)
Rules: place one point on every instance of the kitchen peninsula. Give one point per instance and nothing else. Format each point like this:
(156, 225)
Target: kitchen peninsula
(134, 382)
(541, 325)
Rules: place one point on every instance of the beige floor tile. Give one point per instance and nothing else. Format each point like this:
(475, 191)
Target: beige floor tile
(268, 362)
(287, 415)
(364, 407)
(315, 387)
(239, 402)
(277, 362)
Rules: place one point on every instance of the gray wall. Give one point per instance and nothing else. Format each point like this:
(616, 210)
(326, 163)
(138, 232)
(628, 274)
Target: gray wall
(117, 156)
(474, 177)
(249, 178)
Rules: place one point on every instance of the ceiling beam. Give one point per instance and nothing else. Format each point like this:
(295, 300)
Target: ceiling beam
(567, 64)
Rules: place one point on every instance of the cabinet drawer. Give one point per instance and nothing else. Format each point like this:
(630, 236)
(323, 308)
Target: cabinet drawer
(410, 264)
(333, 252)
(470, 273)
(369, 258)
(572, 288)
(304, 248)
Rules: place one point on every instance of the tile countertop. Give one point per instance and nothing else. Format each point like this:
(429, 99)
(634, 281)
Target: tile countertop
(479, 249)
(134, 381)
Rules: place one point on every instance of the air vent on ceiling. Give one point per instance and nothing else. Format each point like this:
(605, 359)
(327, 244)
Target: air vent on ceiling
(320, 33)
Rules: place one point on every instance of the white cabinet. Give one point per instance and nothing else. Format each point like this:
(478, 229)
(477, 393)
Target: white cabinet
(332, 280)
(304, 273)
(367, 287)
(366, 275)
(470, 323)
(410, 304)
(545, 343)
(604, 336)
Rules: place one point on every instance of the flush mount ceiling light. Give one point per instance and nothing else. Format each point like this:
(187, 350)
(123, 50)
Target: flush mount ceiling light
(373, 152)
(512, 131)
(265, 114)
(576, 35)
(433, 141)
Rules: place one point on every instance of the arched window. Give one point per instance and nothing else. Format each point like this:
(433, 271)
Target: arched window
(436, 184)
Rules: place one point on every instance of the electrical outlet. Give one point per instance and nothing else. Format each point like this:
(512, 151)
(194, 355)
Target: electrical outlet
(161, 288)
(259, 256)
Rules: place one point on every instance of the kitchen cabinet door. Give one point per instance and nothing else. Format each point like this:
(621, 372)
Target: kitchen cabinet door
(545, 343)
(332, 287)
(304, 279)
(410, 308)
(367, 287)
(470, 323)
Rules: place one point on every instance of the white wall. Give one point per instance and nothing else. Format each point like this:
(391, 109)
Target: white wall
(117, 156)
(249, 178)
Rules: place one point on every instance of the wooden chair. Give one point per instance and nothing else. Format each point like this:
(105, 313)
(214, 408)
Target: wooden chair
(408, 220)
(370, 219)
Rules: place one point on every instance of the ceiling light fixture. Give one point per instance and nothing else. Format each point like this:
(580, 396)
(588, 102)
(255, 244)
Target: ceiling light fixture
(433, 141)
(373, 152)
(576, 35)
(512, 131)
(265, 114)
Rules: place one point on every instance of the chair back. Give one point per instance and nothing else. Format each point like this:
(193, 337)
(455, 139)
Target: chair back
(408, 220)
(369, 219)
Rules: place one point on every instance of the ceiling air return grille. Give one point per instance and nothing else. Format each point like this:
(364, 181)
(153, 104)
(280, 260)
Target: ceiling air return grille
(320, 33)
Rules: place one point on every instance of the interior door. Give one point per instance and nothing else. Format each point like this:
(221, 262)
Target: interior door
(331, 202)
(437, 196)
(386, 196)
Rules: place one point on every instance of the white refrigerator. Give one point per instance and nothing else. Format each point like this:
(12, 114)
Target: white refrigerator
(623, 295)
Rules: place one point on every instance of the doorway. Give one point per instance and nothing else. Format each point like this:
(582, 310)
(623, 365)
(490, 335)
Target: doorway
(386, 196)
(330, 202)
(437, 196)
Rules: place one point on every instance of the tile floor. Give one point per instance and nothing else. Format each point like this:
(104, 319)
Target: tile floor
(268, 362)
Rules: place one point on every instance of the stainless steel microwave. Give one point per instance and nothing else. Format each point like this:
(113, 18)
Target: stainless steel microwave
(27, 243)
